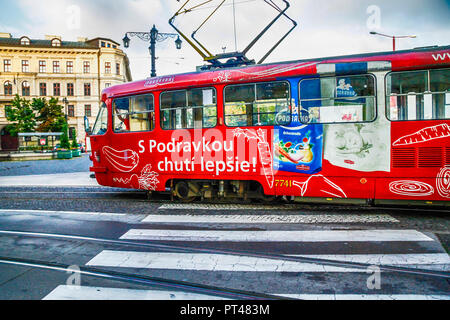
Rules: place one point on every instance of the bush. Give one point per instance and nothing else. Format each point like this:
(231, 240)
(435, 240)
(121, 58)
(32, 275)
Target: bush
(74, 140)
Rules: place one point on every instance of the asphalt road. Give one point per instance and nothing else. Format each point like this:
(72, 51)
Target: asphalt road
(25, 168)
(231, 247)
(101, 243)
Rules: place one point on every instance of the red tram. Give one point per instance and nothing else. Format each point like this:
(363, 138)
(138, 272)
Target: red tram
(369, 127)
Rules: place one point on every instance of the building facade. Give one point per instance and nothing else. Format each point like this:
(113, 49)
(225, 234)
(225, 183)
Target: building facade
(74, 72)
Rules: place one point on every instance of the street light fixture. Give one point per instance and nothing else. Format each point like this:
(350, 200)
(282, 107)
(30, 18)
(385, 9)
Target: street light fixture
(153, 36)
(392, 37)
(178, 43)
(126, 41)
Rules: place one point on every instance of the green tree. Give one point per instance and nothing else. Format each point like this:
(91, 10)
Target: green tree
(65, 143)
(74, 140)
(21, 116)
(50, 115)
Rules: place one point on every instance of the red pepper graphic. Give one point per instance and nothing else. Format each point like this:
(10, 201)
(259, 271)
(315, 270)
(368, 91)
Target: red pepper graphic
(123, 161)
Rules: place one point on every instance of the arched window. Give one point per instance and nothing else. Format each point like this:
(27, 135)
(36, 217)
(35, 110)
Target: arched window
(25, 88)
(25, 41)
(56, 43)
(8, 88)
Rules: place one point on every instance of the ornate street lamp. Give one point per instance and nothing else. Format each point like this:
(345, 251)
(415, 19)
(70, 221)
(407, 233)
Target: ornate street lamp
(178, 43)
(153, 36)
(126, 41)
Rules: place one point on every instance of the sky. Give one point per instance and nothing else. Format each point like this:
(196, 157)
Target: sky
(325, 27)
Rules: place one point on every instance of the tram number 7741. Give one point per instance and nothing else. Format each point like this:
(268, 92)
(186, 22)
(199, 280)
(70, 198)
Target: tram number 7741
(283, 183)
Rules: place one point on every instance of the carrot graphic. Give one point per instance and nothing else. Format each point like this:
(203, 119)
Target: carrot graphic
(424, 135)
(265, 156)
(285, 154)
(319, 184)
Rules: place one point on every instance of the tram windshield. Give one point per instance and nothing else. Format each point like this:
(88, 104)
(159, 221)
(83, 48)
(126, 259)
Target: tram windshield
(101, 124)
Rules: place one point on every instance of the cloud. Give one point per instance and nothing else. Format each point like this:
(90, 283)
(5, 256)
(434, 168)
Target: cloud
(97, 18)
(326, 27)
(8, 29)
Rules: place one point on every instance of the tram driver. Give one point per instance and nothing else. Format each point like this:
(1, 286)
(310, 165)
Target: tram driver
(121, 115)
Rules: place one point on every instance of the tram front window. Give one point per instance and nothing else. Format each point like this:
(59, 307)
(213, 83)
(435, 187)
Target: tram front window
(134, 114)
(101, 123)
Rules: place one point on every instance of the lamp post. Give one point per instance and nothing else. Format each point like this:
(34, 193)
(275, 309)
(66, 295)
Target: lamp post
(153, 36)
(393, 37)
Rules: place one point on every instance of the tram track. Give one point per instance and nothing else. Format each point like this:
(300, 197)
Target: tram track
(141, 197)
(40, 193)
(289, 206)
(190, 249)
(145, 280)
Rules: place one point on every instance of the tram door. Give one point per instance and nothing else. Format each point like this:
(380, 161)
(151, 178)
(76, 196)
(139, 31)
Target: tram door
(97, 139)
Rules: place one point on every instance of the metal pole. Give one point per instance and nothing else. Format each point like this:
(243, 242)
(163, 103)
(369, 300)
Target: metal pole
(153, 37)
(393, 40)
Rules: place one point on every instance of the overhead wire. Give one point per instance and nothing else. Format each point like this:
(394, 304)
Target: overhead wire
(201, 7)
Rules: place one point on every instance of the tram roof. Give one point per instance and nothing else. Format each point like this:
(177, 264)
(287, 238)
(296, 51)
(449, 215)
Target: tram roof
(400, 60)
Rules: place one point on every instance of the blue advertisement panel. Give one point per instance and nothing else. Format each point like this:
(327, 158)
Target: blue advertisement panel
(298, 147)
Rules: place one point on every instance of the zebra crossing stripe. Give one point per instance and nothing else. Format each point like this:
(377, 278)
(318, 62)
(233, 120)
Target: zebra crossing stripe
(201, 206)
(299, 218)
(277, 236)
(422, 259)
(220, 262)
(223, 262)
(64, 292)
(206, 262)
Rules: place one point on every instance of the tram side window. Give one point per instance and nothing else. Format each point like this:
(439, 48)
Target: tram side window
(418, 95)
(189, 109)
(134, 114)
(261, 104)
(101, 123)
(338, 99)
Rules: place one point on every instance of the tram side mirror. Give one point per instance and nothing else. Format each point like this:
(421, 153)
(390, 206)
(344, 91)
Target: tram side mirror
(87, 128)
